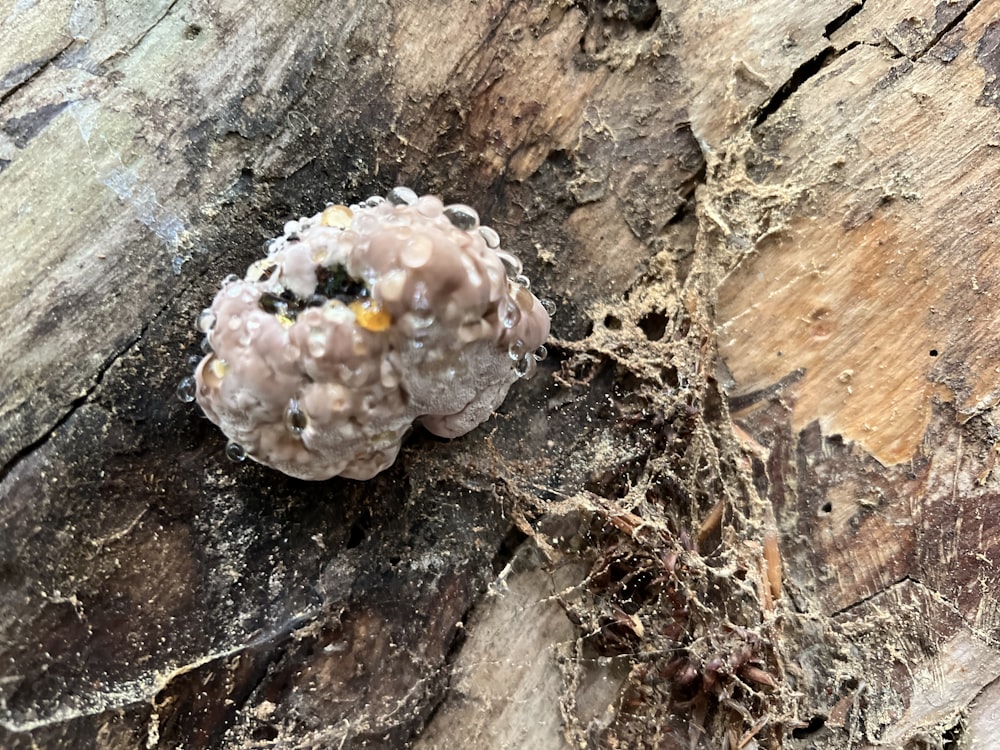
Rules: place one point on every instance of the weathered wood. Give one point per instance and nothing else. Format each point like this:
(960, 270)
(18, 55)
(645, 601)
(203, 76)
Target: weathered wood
(873, 278)
(805, 187)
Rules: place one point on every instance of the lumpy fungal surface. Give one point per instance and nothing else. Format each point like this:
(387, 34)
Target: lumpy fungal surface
(361, 321)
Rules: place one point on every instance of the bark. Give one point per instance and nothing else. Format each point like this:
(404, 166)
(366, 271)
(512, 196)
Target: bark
(747, 502)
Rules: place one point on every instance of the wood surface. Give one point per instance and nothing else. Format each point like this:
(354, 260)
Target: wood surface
(750, 500)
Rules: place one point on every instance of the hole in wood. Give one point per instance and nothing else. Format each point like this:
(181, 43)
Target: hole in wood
(815, 724)
(654, 325)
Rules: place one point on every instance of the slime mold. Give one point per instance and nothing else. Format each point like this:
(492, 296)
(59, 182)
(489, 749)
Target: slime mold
(360, 321)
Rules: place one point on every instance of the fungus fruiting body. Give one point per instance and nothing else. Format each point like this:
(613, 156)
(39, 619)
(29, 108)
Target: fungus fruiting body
(360, 321)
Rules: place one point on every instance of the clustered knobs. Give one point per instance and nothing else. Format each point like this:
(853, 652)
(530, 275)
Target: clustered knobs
(360, 321)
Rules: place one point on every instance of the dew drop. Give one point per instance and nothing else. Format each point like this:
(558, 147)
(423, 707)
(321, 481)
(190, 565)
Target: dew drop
(235, 452)
(540, 353)
(336, 216)
(375, 200)
(462, 216)
(186, 389)
(523, 281)
(402, 196)
(206, 319)
(193, 361)
(206, 346)
(549, 306)
(491, 237)
(230, 279)
(511, 263)
(295, 419)
(509, 312)
(522, 366)
(517, 349)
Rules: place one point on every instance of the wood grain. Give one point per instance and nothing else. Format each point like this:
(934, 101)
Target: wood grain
(769, 229)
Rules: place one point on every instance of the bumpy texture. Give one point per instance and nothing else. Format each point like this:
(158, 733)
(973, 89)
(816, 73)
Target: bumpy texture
(360, 321)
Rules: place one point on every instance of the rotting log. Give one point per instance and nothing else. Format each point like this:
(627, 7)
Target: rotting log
(749, 499)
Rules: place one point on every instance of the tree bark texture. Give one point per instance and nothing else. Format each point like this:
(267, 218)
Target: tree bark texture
(749, 501)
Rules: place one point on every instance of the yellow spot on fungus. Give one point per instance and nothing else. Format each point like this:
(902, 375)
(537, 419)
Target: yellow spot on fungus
(370, 315)
(286, 320)
(213, 371)
(219, 368)
(336, 216)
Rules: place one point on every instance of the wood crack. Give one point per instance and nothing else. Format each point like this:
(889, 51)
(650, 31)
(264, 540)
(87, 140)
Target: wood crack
(147, 688)
(946, 30)
(43, 65)
(142, 36)
(810, 68)
(84, 398)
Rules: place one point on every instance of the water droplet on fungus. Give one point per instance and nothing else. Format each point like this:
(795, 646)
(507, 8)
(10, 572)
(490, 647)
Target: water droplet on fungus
(186, 390)
(511, 263)
(509, 313)
(206, 319)
(338, 217)
(516, 350)
(295, 419)
(235, 452)
(462, 216)
(402, 196)
(490, 236)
